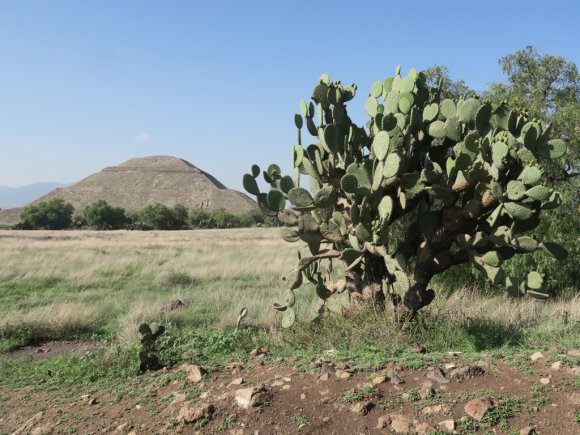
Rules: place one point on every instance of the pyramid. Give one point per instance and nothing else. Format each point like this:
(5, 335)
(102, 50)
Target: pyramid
(143, 181)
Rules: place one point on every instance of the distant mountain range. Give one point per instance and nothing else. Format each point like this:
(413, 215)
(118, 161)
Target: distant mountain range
(19, 196)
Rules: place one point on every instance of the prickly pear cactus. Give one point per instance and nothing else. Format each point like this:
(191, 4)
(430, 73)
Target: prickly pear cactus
(430, 183)
(148, 352)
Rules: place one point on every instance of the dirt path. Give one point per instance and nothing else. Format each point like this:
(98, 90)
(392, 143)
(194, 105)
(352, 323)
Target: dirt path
(282, 398)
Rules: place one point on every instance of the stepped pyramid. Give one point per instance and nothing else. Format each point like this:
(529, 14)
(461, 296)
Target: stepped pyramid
(147, 180)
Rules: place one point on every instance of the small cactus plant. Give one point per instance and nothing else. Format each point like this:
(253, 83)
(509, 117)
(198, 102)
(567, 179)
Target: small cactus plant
(430, 183)
(148, 353)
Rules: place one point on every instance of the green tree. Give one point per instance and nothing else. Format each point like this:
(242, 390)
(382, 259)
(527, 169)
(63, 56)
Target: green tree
(438, 77)
(549, 87)
(55, 214)
(161, 217)
(102, 216)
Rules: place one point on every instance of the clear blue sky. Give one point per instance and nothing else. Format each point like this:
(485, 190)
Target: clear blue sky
(88, 84)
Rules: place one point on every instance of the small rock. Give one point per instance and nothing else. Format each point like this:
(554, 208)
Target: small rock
(401, 424)
(437, 375)
(204, 395)
(466, 372)
(33, 421)
(237, 381)
(574, 352)
(286, 387)
(92, 401)
(426, 389)
(545, 381)
(530, 430)
(327, 368)
(340, 285)
(287, 379)
(253, 396)
(138, 407)
(172, 305)
(324, 377)
(195, 373)
(454, 353)
(383, 422)
(575, 399)
(556, 366)
(417, 348)
(450, 366)
(476, 408)
(435, 409)
(325, 419)
(448, 425)
(259, 352)
(536, 356)
(379, 380)
(342, 374)
(342, 366)
(302, 396)
(189, 413)
(276, 384)
(122, 428)
(396, 380)
(362, 408)
(424, 429)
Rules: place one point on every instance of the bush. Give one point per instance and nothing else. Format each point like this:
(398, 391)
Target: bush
(102, 216)
(55, 214)
(161, 217)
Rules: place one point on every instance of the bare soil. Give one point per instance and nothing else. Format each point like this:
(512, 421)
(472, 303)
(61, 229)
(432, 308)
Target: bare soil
(298, 401)
(51, 349)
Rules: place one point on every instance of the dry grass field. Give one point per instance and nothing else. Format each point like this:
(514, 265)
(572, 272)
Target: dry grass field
(66, 284)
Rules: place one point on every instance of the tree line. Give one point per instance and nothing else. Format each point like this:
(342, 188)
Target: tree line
(56, 214)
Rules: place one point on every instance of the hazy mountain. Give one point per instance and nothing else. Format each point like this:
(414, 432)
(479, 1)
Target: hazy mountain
(18, 196)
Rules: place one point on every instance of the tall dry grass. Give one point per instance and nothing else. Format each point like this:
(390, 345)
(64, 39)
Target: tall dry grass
(57, 284)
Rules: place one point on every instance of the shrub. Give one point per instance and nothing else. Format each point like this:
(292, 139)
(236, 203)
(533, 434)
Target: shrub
(102, 216)
(55, 214)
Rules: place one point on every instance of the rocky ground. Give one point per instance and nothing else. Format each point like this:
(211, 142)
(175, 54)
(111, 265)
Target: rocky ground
(520, 394)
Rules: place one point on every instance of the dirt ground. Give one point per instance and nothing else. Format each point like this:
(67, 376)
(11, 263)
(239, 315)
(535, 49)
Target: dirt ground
(277, 396)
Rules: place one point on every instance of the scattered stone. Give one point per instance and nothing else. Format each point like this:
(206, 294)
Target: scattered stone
(383, 422)
(238, 381)
(556, 365)
(530, 430)
(253, 396)
(172, 305)
(536, 356)
(466, 372)
(417, 348)
(342, 374)
(259, 352)
(574, 352)
(327, 368)
(401, 424)
(178, 398)
(426, 390)
(545, 381)
(424, 429)
(476, 408)
(324, 377)
(448, 425)
(379, 380)
(190, 413)
(436, 374)
(362, 408)
(195, 373)
(33, 421)
(435, 409)
(575, 398)
(396, 380)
